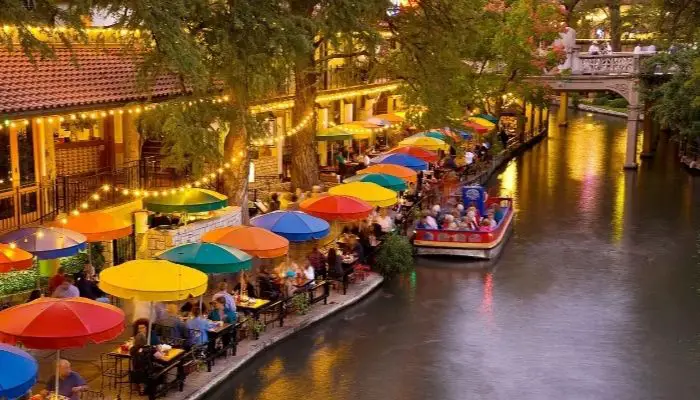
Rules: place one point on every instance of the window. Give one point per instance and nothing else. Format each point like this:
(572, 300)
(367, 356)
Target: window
(25, 141)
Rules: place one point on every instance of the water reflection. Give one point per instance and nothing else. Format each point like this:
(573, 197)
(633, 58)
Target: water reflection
(595, 296)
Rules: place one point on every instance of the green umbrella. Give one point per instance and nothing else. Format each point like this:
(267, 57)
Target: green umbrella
(188, 201)
(385, 180)
(210, 258)
(331, 134)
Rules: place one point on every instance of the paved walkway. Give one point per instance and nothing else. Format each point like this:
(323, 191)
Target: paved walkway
(86, 361)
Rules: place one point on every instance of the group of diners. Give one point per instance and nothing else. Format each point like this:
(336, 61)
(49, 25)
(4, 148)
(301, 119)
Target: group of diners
(459, 218)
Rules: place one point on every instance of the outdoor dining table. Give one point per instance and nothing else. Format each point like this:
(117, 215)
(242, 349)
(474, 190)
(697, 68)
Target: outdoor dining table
(220, 332)
(252, 306)
(168, 356)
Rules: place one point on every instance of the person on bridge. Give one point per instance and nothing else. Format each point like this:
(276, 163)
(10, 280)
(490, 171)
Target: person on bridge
(594, 50)
(607, 49)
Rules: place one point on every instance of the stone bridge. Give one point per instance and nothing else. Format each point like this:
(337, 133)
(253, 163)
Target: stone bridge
(619, 73)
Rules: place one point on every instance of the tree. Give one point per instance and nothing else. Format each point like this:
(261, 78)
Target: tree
(335, 29)
(457, 54)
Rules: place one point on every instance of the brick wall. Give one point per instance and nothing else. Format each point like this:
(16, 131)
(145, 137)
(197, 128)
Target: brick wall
(77, 160)
(155, 241)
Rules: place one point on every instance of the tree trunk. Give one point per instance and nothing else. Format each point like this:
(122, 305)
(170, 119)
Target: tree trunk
(304, 158)
(236, 179)
(615, 25)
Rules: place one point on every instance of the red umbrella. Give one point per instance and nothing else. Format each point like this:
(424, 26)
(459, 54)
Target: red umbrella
(417, 152)
(55, 324)
(337, 208)
(473, 126)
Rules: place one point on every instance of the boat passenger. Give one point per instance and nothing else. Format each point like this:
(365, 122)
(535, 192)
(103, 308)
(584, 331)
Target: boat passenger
(498, 213)
(430, 221)
(460, 208)
(490, 215)
(485, 225)
(422, 223)
(472, 207)
(449, 222)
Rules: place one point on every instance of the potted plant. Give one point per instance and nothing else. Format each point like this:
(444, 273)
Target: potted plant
(395, 256)
(301, 304)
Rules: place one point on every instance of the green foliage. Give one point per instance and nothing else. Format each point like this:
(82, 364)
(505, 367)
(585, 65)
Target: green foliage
(618, 103)
(395, 256)
(18, 281)
(599, 101)
(97, 253)
(676, 100)
(301, 305)
(75, 264)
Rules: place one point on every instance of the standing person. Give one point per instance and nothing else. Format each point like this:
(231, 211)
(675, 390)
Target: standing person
(607, 49)
(318, 261)
(469, 158)
(594, 50)
(340, 160)
(335, 264)
(503, 137)
(57, 279)
(223, 293)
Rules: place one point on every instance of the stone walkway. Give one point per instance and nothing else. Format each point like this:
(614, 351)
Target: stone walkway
(86, 361)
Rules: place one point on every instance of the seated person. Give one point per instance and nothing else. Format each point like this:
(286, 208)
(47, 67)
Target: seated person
(449, 222)
(70, 384)
(249, 287)
(145, 361)
(198, 327)
(66, 289)
(335, 264)
(430, 221)
(468, 224)
(499, 212)
(309, 272)
(356, 248)
(318, 261)
(160, 220)
(219, 312)
(268, 289)
(485, 225)
(490, 215)
(422, 223)
(140, 327)
(187, 306)
(169, 319)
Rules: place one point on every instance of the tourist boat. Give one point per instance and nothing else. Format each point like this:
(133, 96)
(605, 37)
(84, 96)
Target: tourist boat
(473, 244)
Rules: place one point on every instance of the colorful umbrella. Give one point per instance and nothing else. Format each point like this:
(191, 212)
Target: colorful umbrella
(366, 191)
(337, 208)
(434, 134)
(358, 129)
(418, 152)
(54, 324)
(384, 180)
(332, 134)
(193, 200)
(46, 243)
(488, 117)
(427, 143)
(19, 371)
(398, 171)
(295, 226)
(98, 226)
(255, 241)
(483, 122)
(401, 159)
(476, 128)
(13, 258)
(210, 258)
(152, 280)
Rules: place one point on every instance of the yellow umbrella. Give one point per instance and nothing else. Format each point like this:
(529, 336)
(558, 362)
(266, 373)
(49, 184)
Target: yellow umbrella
(153, 280)
(367, 191)
(483, 122)
(426, 142)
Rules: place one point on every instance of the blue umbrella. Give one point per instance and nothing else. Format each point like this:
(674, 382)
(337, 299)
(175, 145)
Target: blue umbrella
(46, 243)
(295, 226)
(18, 371)
(210, 258)
(401, 159)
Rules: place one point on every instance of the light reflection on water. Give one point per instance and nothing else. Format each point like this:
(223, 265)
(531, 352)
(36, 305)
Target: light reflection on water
(595, 296)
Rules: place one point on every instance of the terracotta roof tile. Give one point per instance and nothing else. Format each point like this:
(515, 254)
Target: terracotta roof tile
(101, 75)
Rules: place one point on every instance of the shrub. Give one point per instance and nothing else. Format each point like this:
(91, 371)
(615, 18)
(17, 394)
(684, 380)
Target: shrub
(618, 103)
(18, 281)
(600, 101)
(300, 303)
(395, 256)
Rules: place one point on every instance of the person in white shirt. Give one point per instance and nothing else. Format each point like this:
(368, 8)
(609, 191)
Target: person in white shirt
(365, 160)
(594, 50)
(385, 221)
(469, 157)
(66, 289)
(309, 272)
(607, 49)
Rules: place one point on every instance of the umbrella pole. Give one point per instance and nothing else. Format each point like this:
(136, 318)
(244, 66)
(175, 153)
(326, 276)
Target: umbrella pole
(150, 324)
(58, 361)
(200, 303)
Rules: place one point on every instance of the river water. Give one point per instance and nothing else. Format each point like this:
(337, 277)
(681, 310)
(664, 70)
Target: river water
(595, 296)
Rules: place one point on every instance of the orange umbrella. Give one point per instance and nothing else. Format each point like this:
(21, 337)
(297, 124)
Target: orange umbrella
(14, 258)
(98, 226)
(255, 241)
(398, 171)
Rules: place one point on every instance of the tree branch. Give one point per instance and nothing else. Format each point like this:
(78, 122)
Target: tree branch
(343, 55)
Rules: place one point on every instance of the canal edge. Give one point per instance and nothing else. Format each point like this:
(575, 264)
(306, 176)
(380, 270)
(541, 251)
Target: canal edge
(218, 379)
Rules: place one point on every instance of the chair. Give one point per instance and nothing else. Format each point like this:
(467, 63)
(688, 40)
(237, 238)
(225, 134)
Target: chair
(114, 373)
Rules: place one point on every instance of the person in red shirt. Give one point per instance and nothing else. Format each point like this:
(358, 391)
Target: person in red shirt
(57, 279)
